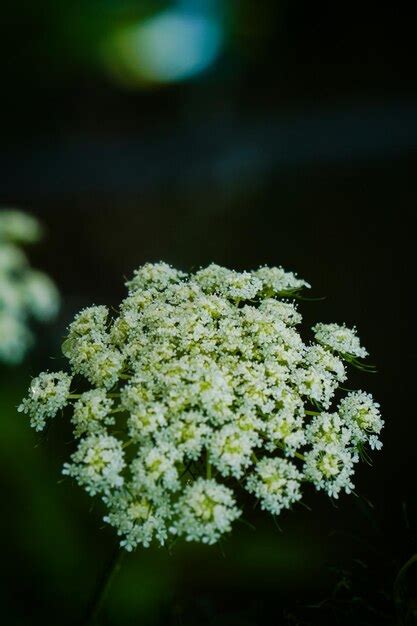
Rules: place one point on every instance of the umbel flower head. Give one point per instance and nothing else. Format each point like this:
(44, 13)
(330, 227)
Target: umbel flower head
(24, 293)
(202, 388)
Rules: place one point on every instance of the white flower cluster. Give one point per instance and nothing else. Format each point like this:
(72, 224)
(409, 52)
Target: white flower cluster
(339, 338)
(48, 394)
(202, 387)
(24, 292)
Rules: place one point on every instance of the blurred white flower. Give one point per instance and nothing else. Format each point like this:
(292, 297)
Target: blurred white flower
(19, 226)
(24, 292)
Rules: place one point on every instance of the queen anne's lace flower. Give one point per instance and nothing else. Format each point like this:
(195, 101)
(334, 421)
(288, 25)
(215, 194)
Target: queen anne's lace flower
(48, 393)
(138, 518)
(205, 511)
(235, 286)
(359, 410)
(97, 464)
(276, 482)
(328, 428)
(154, 276)
(230, 449)
(276, 281)
(92, 412)
(340, 339)
(24, 292)
(330, 467)
(188, 432)
(156, 466)
(201, 386)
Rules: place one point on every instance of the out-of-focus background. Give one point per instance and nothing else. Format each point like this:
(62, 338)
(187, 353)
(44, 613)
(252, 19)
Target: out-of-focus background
(243, 133)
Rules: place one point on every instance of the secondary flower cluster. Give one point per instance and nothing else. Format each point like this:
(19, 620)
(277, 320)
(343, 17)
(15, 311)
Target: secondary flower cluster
(200, 388)
(24, 292)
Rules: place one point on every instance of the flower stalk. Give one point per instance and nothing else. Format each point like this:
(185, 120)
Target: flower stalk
(103, 585)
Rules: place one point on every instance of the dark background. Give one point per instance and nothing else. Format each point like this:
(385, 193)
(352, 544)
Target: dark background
(296, 146)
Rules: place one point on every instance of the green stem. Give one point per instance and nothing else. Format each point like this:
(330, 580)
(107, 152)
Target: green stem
(299, 456)
(103, 586)
(75, 396)
(312, 412)
(296, 454)
(208, 468)
(403, 609)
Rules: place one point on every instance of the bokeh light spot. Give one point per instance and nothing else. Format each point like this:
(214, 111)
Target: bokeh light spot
(169, 47)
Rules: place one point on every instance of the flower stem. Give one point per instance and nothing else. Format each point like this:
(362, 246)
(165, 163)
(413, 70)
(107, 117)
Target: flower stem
(296, 454)
(103, 586)
(299, 456)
